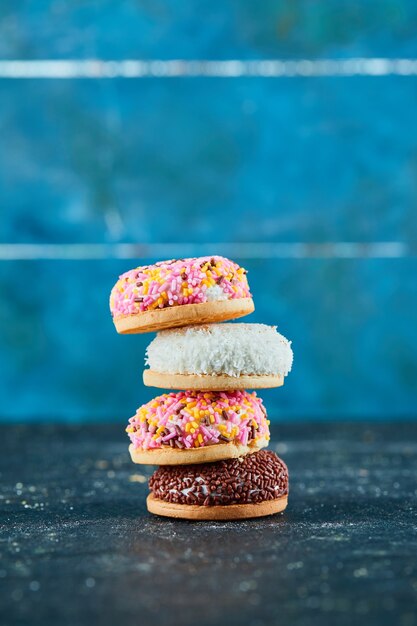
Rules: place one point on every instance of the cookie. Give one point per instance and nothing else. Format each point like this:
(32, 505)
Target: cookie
(218, 357)
(250, 486)
(219, 513)
(198, 427)
(178, 293)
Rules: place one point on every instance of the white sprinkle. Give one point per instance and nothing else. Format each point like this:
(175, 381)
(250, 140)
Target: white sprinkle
(362, 572)
(34, 585)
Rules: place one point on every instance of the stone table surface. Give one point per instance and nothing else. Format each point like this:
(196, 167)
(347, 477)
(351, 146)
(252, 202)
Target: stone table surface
(78, 546)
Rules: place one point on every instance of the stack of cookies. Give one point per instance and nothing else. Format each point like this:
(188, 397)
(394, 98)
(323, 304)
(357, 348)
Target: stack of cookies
(208, 435)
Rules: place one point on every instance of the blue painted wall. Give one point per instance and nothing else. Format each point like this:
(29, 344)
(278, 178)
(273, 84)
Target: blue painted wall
(210, 161)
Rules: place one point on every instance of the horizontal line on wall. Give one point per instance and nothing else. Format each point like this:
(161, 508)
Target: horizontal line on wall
(233, 68)
(94, 251)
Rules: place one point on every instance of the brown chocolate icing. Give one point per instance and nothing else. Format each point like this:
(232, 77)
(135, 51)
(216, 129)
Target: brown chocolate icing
(250, 479)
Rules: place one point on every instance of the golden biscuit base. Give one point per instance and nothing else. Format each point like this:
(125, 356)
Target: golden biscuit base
(219, 513)
(209, 382)
(206, 454)
(183, 315)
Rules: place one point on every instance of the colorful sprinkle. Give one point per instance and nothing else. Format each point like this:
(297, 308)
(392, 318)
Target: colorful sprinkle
(191, 419)
(177, 282)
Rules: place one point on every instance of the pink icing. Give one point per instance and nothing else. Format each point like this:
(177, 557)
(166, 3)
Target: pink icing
(191, 419)
(176, 282)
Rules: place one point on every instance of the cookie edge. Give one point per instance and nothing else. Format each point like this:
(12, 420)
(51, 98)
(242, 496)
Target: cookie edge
(205, 454)
(208, 382)
(183, 315)
(215, 513)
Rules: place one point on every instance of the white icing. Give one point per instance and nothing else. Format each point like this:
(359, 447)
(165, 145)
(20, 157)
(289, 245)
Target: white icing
(215, 293)
(232, 349)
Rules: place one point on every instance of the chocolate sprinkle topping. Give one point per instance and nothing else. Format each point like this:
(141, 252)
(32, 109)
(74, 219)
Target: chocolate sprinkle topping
(254, 478)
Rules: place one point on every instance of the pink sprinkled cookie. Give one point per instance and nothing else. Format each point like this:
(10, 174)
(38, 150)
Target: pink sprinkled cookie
(178, 293)
(198, 427)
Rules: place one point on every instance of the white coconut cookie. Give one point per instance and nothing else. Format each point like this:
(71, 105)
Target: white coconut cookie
(218, 357)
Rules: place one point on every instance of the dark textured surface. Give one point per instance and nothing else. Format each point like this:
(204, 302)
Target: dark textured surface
(78, 547)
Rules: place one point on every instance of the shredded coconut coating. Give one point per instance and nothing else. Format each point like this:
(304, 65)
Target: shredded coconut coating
(176, 282)
(213, 349)
(192, 419)
(252, 479)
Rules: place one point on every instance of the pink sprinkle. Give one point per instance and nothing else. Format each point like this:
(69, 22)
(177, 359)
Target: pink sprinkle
(170, 436)
(179, 413)
(128, 295)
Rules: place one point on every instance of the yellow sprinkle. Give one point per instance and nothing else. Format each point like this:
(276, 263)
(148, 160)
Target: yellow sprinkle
(212, 419)
(200, 438)
(137, 478)
(196, 443)
(192, 431)
(194, 424)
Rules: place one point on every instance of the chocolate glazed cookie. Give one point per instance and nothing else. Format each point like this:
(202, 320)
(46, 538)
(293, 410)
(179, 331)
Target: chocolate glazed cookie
(250, 486)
